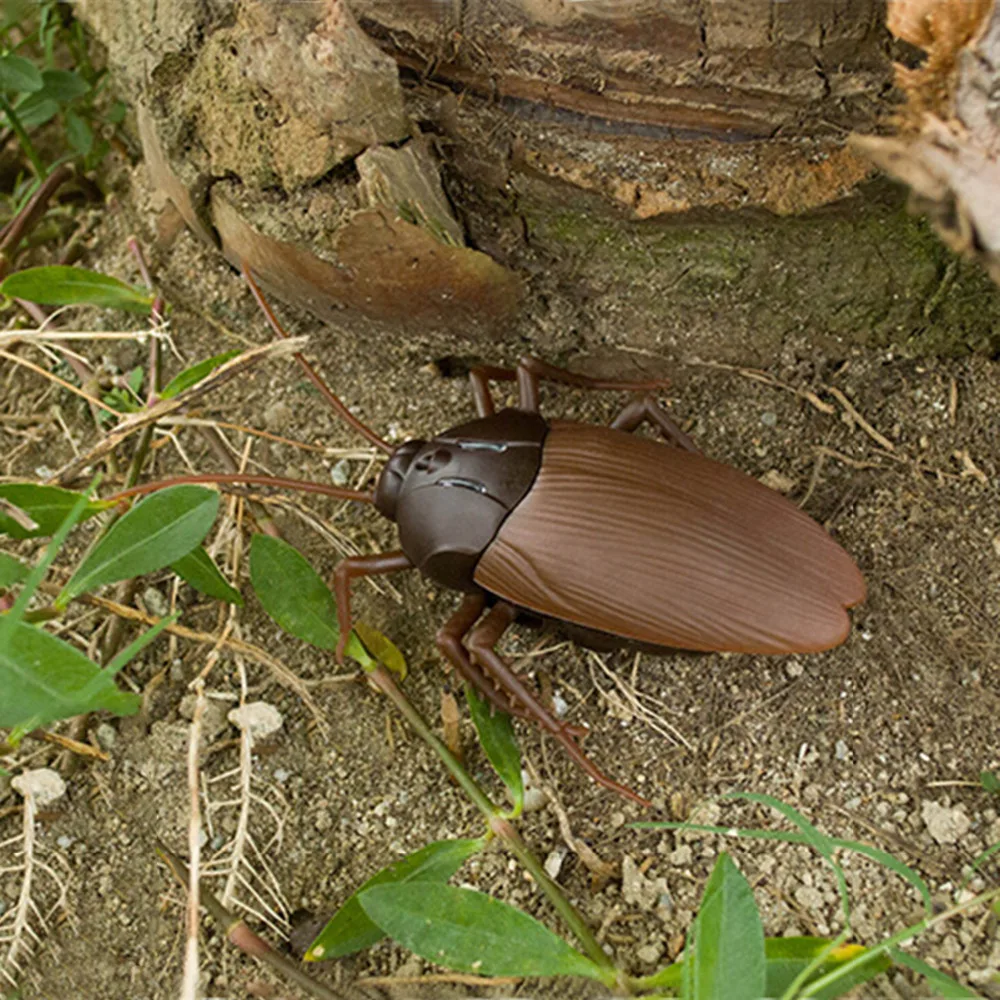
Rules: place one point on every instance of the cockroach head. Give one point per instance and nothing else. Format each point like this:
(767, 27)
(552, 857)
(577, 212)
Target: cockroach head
(393, 475)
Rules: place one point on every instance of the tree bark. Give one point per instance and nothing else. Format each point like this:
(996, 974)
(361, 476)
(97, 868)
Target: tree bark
(653, 172)
(949, 154)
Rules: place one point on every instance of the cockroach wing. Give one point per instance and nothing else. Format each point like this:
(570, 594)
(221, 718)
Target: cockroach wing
(663, 546)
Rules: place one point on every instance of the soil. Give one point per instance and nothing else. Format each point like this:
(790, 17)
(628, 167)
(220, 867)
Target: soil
(881, 740)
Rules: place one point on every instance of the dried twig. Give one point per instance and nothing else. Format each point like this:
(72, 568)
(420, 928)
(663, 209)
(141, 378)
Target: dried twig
(68, 386)
(458, 978)
(855, 417)
(22, 926)
(65, 743)
(756, 375)
(634, 700)
(164, 407)
(281, 673)
(189, 986)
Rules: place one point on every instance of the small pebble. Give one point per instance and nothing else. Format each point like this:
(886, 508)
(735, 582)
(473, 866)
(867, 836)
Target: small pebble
(281, 775)
(769, 419)
(840, 750)
(946, 826)
(794, 669)
(650, 953)
(341, 473)
(43, 784)
(809, 897)
(535, 798)
(156, 602)
(682, 856)
(638, 889)
(64, 841)
(259, 718)
(554, 862)
(107, 735)
(560, 706)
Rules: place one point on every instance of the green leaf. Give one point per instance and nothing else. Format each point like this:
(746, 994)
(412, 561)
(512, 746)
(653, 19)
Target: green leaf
(154, 533)
(382, 648)
(79, 133)
(789, 957)
(63, 85)
(11, 570)
(350, 930)
(46, 506)
(19, 75)
(821, 843)
(944, 986)
(496, 734)
(191, 376)
(12, 618)
(116, 113)
(58, 285)
(198, 569)
(786, 958)
(990, 782)
(471, 932)
(728, 961)
(44, 679)
(295, 596)
(35, 110)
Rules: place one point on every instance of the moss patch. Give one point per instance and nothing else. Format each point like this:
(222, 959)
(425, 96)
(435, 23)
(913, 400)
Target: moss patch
(863, 271)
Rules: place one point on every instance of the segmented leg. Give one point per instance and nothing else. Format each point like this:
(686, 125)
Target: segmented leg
(648, 410)
(360, 566)
(530, 371)
(481, 645)
(449, 643)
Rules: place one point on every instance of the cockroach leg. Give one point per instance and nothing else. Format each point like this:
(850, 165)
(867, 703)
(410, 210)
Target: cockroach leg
(449, 643)
(355, 567)
(479, 378)
(481, 645)
(531, 370)
(648, 410)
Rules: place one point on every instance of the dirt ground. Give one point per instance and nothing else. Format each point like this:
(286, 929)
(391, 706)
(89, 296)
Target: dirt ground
(881, 740)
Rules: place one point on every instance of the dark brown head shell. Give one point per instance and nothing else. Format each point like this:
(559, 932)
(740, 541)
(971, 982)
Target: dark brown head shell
(457, 489)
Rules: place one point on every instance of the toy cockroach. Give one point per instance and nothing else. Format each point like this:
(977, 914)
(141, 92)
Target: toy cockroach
(621, 539)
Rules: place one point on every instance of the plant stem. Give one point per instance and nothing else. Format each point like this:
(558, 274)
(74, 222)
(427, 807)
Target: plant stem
(505, 830)
(25, 220)
(237, 933)
(22, 136)
(382, 679)
(500, 826)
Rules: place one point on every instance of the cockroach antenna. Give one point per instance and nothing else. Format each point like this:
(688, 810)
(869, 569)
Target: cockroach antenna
(338, 407)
